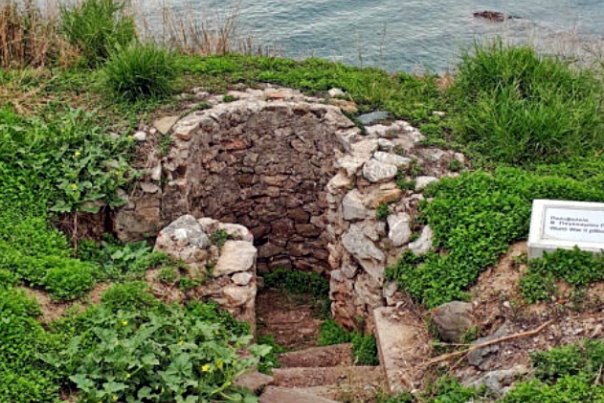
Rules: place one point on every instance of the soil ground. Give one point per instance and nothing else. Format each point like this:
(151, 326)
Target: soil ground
(293, 320)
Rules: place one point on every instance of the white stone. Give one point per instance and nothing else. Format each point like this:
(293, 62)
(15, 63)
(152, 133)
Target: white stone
(364, 148)
(557, 224)
(361, 247)
(165, 124)
(392, 159)
(385, 145)
(237, 232)
(351, 164)
(422, 182)
(336, 93)
(236, 256)
(140, 136)
(376, 171)
(422, 245)
(352, 206)
(237, 295)
(399, 228)
(340, 181)
(149, 187)
(242, 278)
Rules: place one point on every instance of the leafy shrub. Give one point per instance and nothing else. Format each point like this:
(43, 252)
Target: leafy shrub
(576, 267)
(96, 27)
(67, 161)
(514, 106)
(121, 261)
(474, 219)
(298, 282)
(140, 70)
(159, 353)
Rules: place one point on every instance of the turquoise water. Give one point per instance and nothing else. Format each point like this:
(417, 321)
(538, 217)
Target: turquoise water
(407, 34)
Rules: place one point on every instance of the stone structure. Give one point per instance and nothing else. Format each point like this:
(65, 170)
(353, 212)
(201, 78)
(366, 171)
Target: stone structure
(303, 178)
(364, 246)
(262, 161)
(228, 271)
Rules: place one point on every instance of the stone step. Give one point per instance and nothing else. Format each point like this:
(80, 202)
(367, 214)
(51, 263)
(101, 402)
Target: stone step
(274, 394)
(363, 376)
(404, 345)
(328, 356)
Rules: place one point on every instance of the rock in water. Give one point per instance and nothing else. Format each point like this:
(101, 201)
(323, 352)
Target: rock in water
(494, 16)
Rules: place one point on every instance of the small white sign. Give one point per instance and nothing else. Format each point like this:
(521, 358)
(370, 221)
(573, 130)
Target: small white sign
(565, 224)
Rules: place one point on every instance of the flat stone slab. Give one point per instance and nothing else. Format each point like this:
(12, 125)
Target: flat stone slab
(557, 224)
(328, 356)
(373, 117)
(254, 381)
(315, 376)
(403, 344)
(285, 395)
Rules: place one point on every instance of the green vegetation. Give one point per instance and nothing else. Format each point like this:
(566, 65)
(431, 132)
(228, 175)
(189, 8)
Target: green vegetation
(297, 282)
(270, 360)
(96, 27)
(475, 217)
(129, 347)
(382, 212)
(65, 150)
(576, 267)
(513, 106)
(445, 389)
(139, 71)
(570, 373)
(219, 237)
(364, 346)
(24, 376)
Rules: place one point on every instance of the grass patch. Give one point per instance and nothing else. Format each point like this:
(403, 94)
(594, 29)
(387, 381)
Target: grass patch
(364, 347)
(514, 106)
(96, 27)
(138, 71)
(475, 217)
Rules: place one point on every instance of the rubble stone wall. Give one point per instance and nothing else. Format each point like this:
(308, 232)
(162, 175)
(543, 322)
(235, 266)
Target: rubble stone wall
(304, 180)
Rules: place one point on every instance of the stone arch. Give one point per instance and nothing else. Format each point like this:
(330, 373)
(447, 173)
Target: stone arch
(262, 161)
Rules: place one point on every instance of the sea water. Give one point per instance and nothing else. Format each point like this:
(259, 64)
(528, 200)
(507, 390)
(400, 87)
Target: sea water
(406, 34)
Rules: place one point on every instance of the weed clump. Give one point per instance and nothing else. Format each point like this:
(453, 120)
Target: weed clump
(364, 346)
(513, 106)
(96, 27)
(137, 71)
